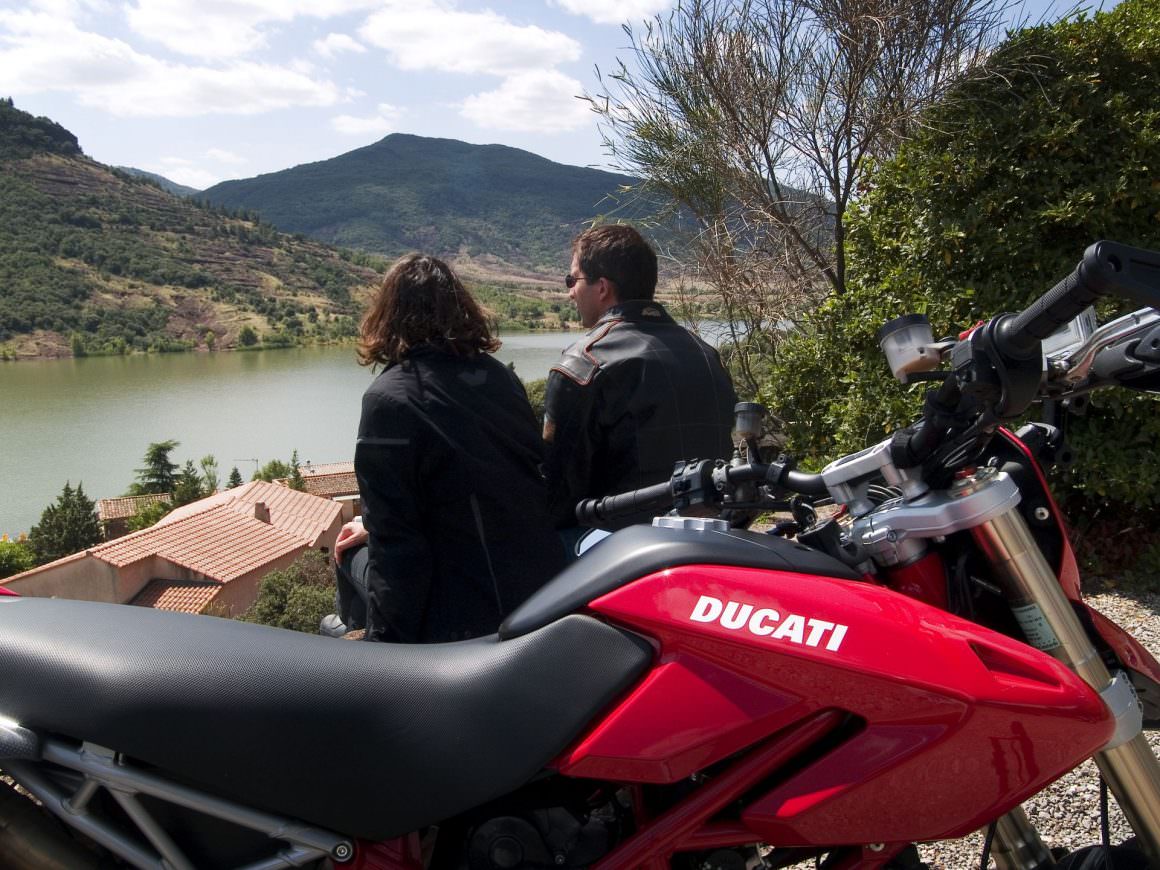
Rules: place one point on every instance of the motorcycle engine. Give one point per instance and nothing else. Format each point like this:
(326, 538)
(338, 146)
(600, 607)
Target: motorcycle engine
(543, 838)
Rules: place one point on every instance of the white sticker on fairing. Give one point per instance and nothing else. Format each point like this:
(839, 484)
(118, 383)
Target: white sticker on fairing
(766, 622)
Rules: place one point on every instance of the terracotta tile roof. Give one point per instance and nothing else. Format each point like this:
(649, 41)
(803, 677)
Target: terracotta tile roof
(176, 595)
(300, 514)
(328, 468)
(125, 506)
(220, 543)
(330, 485)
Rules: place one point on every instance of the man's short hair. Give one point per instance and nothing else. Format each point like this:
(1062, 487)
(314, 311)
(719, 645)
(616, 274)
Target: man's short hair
(620, 254)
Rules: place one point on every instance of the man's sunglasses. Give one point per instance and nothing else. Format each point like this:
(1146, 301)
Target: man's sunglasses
(571, 281)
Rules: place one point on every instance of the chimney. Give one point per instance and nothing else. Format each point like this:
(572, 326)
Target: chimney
(261, 512)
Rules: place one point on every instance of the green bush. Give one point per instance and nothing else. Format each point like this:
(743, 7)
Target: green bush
(296, 597)
(991, 203)
(15, 557)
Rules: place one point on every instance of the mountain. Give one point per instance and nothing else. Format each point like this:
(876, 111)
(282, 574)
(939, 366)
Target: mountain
(166, 184)
(94, 260)
(437, 195)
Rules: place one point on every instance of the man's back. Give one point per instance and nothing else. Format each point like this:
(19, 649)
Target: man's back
(636, 394)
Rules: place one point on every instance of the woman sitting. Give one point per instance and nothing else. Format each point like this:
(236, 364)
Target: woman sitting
(448, 457)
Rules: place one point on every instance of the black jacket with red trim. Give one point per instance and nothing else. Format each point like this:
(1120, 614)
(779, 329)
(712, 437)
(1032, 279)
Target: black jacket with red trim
(635, 395)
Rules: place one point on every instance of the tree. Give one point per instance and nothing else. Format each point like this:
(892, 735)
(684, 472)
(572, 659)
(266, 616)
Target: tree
(188, 486)
(992, 202)
(15, 556)
(296, 597)
(148, 515)
(295, 480)
(247, 337)
(752, 121)
(275, 469)
(66, 527)
(160, 472)
(209, 474)
(235, 478)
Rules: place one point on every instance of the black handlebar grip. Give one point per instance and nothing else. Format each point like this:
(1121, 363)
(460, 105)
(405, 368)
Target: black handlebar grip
(1107, 269)
(593, 511)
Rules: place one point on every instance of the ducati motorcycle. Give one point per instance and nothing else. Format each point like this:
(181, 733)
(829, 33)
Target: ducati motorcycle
(688, 694)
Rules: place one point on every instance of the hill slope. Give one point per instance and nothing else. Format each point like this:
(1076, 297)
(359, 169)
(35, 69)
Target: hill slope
(166, 184)
(439, 195)
(93, 260)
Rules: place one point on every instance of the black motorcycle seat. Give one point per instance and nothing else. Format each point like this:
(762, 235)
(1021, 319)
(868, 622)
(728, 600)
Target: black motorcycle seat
(370, 740)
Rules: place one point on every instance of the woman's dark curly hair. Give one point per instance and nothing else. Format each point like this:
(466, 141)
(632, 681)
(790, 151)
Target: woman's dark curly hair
(421, 301)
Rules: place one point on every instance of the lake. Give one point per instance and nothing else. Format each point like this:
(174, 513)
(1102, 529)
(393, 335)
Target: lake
(89, 420)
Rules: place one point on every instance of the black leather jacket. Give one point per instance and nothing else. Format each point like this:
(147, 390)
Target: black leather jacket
(635, 395)
(448, 465)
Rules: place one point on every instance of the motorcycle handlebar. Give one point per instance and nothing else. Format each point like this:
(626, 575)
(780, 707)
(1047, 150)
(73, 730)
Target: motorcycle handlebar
(805, 483)
(1107, 268)
(593, 511)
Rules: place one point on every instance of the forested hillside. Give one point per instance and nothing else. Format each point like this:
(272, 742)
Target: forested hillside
(94, 260)
(439, 195)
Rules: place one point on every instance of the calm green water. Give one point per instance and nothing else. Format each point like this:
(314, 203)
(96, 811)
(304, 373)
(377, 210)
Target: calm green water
(90, 420)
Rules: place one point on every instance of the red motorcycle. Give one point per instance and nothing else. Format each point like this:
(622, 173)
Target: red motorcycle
(687, 694)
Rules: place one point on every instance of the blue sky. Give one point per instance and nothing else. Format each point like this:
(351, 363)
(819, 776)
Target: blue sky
(205, 90)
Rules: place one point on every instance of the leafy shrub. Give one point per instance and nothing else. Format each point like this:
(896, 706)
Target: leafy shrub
(15, 556)
(992, 202)
(296, 597)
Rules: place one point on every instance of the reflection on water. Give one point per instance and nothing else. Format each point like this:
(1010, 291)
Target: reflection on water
(90, 420)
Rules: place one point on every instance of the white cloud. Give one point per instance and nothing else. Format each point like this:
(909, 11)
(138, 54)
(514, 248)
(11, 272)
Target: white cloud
(382, 122)
(336, 43)
(223, 156)
(418, 34)
(615, 11)
(41, 53)
(543, 101)
(225, 28)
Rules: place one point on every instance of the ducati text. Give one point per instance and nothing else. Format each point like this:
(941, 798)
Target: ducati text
(766, 622)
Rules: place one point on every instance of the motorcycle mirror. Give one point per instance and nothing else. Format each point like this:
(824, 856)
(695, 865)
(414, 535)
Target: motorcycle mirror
(909, 345)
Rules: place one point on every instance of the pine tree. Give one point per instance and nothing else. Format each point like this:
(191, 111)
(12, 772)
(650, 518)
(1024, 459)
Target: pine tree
(295, 480)
(160, 472)
(188, 486)
(66, 527)
(235, 478)
(209, 474)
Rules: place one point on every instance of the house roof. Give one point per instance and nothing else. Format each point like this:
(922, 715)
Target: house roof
(327, 468)
(219, 537)
(220, 543)
(297, 513)
(178, 595)
(126, 506)
(331, 485)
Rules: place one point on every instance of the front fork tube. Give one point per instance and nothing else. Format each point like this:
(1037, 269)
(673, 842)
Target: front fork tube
(1051, 625)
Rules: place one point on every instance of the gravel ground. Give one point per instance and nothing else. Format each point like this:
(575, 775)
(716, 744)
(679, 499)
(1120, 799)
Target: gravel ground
(1068, 812)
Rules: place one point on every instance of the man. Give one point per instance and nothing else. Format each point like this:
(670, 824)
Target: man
(637, 393)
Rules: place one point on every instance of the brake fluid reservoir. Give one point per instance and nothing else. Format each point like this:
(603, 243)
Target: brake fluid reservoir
(909, 345)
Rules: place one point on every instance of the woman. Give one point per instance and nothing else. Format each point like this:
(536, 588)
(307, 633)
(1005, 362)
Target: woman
(448, 460)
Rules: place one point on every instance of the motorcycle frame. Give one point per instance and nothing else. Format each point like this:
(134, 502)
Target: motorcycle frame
(102, 768)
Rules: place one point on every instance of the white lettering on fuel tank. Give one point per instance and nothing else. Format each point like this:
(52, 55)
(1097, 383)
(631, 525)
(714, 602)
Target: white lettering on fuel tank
(766, 622)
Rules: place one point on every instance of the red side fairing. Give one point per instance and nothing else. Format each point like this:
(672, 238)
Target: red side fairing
(5, 591)
(931, 700)
(1127, 648)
